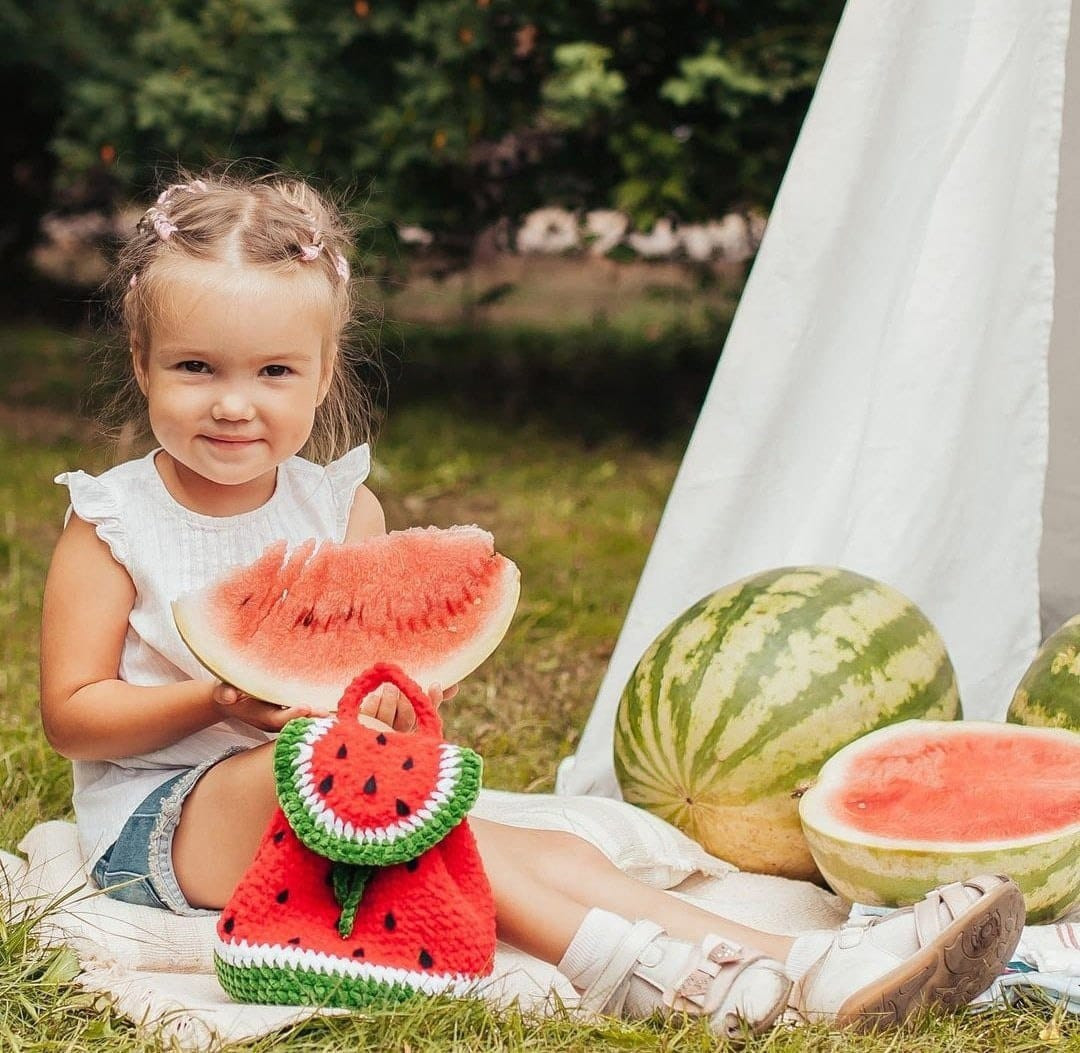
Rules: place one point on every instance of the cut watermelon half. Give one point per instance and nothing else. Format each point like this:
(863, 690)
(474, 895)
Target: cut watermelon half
(924, 802)
(292, 627)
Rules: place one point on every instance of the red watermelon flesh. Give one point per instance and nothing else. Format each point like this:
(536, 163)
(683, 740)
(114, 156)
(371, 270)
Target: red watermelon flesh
(961, 789)
(292, 627)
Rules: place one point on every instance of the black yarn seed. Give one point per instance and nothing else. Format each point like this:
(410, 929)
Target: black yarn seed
(279, 837)
(282, 896)
(369, 786)
(380, 739)
(426, 961)
(229, 924)
(412, 864)
(402, 807)
(295, 940)
(326, 785)
(330, 877)
(408, 763)
(342, 752)
(389, 922)
(358, 953)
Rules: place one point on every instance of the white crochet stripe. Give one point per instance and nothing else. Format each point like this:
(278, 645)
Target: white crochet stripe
(324, 815)
(242, 954)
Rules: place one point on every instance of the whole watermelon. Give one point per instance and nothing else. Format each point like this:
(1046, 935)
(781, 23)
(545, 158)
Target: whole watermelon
(736, 705)
(1048, 694)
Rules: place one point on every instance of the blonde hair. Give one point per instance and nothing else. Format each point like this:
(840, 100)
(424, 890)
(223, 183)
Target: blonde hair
(279, 225)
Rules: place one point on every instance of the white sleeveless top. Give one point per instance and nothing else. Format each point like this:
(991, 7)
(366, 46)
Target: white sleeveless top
(168, 550)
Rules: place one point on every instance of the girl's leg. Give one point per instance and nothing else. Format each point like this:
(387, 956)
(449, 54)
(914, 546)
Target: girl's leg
(523, 863)
(221, 824)
(544, 881)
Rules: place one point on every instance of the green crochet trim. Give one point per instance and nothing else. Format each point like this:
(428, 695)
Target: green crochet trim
(273, 985)
(444, 818)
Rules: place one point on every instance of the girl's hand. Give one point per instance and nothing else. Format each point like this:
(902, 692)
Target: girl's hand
(266, 716)
(389, 706)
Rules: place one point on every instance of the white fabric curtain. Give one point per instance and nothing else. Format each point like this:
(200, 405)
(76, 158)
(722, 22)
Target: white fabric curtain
(882, 401)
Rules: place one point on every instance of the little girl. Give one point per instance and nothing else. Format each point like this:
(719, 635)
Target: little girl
(234, 297)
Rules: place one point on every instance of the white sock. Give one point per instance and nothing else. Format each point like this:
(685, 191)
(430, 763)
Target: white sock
(599, 934)
(595, 942)
(806, 950)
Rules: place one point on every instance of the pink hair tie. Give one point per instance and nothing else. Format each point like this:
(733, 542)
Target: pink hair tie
(164, 228)
(156, 220)
(134, 281)
(310, 252)
(341, 265)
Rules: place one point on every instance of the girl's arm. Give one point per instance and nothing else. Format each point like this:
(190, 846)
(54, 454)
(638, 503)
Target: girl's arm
(366, 516)
(87, 712)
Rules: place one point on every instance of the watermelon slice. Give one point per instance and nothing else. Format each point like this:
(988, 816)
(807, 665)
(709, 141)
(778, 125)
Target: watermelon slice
(925, 802)
(291, 628)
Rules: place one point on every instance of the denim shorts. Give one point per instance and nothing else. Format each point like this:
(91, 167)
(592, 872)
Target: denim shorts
(138, 867)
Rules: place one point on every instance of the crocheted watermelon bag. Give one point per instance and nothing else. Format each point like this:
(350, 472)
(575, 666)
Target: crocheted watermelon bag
(367, 887)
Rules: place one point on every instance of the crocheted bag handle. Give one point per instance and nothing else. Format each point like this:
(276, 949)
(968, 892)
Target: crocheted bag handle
(427, 717)
(355, 794)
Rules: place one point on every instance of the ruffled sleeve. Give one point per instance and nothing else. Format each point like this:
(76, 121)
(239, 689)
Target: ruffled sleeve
(95, 502)
(345, 475)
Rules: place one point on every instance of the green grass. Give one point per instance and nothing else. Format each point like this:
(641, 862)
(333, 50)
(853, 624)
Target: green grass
(578, 520)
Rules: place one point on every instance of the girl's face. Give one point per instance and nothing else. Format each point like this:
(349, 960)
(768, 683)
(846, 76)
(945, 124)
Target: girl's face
(233, 376)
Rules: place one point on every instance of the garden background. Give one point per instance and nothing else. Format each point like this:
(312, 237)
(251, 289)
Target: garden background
(559, 203)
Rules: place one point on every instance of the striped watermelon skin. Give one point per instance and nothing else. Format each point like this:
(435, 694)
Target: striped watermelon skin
(1048, 695)
(865, 867)
(734, 707)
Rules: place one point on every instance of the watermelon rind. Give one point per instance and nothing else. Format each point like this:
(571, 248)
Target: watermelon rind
(871, 869)
(272, 974)
(735, 706)
(455, 792)
(194, 617)
(1048, 695)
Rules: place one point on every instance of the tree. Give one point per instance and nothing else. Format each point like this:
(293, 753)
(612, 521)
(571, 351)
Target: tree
(447, 113)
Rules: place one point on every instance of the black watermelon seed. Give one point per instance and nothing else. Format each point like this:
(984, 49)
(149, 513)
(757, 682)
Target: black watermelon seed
(358, 953)
(426, 961)
(229, 924)
(342, 752)
(412, 864)
(389, 922)
(295, 940)
(369, 786)
(326, 785)
(402, 807)
(279, 837)
(282, 896)
(380, 739)
(408, 763)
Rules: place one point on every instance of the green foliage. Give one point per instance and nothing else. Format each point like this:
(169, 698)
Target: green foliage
(448, 113)
(582, 86)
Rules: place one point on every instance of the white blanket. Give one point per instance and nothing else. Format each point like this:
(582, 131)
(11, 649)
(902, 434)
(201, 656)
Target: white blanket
(158, 970)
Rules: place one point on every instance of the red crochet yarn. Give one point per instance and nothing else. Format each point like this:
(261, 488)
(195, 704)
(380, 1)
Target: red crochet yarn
(367, 886)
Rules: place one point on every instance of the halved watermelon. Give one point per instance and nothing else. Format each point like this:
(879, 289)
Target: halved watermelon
(291, 628)
(925, 802)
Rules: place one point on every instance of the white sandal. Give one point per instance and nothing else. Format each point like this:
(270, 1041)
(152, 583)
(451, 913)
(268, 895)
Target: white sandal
(943, 951)
(740, 992)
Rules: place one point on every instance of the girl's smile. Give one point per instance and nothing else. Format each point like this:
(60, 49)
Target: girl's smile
(233, 376)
